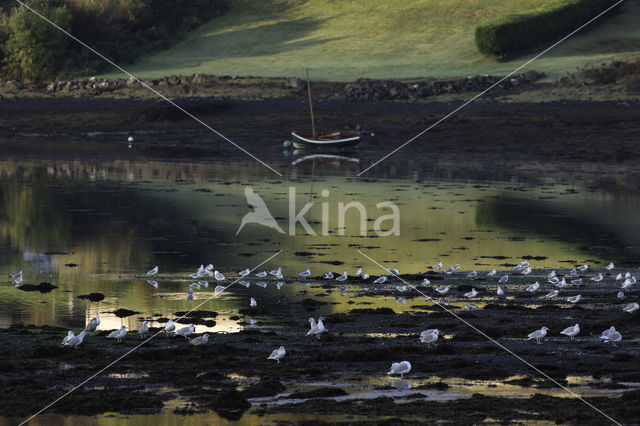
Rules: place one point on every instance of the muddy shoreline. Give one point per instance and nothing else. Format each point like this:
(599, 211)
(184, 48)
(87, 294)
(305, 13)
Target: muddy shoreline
(231, 375)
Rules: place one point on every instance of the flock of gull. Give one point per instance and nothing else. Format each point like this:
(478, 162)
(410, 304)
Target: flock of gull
(428, 337)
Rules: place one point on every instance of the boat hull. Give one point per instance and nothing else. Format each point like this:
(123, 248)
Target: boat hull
(333, 140)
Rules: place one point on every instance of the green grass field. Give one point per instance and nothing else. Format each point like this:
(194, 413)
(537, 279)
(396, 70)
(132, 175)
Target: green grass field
(342, 40)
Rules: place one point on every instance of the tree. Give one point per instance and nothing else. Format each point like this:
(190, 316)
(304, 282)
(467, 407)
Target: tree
(35, 50)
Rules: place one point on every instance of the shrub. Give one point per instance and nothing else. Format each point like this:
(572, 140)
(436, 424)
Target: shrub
(122, 30)
(35, 50)
(518, 32)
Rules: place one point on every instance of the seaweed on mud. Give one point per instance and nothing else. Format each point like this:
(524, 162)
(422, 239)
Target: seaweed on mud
(265, 387)
(374, 311)
(326, 392)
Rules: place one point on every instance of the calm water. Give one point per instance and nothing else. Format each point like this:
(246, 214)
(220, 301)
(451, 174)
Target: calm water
(117, 219)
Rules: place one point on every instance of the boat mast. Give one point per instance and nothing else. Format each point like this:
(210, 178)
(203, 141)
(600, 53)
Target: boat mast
(313, 124)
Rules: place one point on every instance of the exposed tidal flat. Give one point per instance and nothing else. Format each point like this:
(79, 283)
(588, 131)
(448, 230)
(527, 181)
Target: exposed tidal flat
(555, 184)
(464, 378)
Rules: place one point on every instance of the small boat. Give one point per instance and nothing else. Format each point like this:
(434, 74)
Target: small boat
(333, 139)
(314, 139)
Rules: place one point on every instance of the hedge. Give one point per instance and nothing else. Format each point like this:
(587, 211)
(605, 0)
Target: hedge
(518, 32)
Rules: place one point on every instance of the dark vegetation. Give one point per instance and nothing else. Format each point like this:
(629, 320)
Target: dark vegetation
(122, 30)
(518, 32)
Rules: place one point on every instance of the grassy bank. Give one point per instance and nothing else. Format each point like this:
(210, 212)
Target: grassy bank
(376, 39)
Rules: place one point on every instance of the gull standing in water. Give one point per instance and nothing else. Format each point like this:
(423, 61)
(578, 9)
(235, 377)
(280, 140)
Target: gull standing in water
(500, 291)
(244, 272)
(429, 336)
(583, 268)
(153, 271)
(611, 335)
(620, 295)
(533, 287)
(503, 279)
(400, 368)
(314, 327)
(277, 273)
(253, 303)
(342, 277)
(200, 340)
(605, 334)
(305, 274)
(118, 334)
(321, 327)
(190, 295)
(598, 277)
(169, 326)
(426, 282)
(442, 290)
(261, 274)
(571, 331)
(185, 331)
(538, 334)
(472, 293)
(380, 279)
(278, 354)
(69, 336)
(551, 294)
(328, 276)
(574, 299)
(143, 330)
(609, 266)
(219, 276)
(359, 272)
(76, 340)
(93, 324)
(631, 307)
(492, 273)
(472, 274)
(437, 266)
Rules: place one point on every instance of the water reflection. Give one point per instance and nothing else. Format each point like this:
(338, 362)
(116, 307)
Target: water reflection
(116, 220)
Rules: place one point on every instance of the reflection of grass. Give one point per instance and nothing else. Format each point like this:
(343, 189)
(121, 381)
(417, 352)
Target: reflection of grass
(349, 39)
(29, 221)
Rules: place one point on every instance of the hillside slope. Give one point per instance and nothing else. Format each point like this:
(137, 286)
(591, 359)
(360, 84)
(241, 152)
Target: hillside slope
(349, 39)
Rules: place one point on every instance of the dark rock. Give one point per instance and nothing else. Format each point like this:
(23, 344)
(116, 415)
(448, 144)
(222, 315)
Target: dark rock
(197, 314)
(94, 297)
(230, 404)
(369, 311)
(43, 287)
(265, 387)
(123, 313)
(633, 86)
(13, 84)
(296, 83)
(71, 265)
